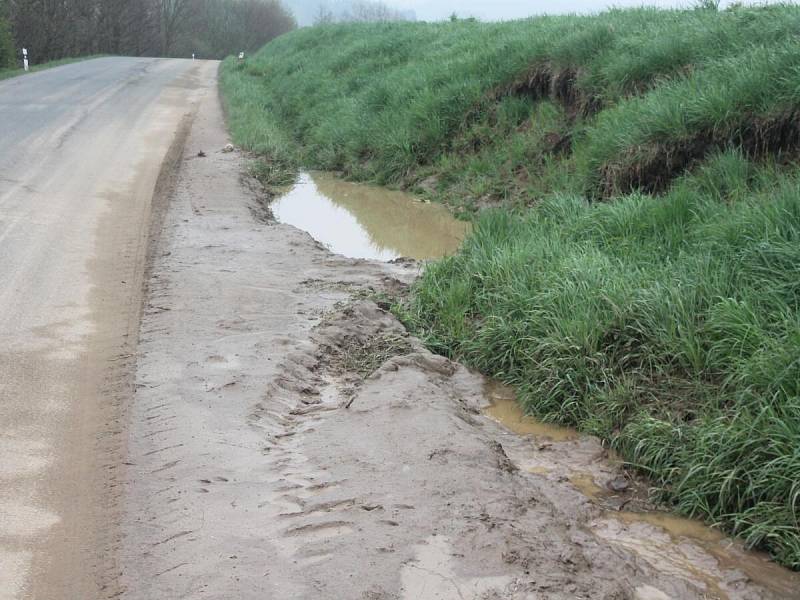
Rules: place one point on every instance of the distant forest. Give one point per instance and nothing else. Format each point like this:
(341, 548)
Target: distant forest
(53, 29)
(315, 12)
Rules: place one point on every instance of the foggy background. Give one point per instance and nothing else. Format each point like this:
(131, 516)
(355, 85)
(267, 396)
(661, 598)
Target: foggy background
(485, 10)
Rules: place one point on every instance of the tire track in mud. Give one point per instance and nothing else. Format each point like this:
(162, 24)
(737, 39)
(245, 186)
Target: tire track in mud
(415, 476)
(289, 439)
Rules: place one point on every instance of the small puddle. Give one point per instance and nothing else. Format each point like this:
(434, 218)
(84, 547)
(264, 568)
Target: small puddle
(676, 545)
(505, 409)
(689, 549)
(366, 221)
(586, 485)
(756, 565)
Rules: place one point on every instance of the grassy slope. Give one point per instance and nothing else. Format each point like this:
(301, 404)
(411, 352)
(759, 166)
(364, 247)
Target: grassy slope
(667, 325)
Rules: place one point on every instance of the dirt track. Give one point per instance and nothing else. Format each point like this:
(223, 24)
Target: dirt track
(268, 459)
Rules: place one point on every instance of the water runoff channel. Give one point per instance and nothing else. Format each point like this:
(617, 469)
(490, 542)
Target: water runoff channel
(370, 222)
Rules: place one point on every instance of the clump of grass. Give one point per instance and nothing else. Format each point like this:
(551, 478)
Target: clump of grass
(747, 101)
(365, 357)
(254, 127)
(273, 173)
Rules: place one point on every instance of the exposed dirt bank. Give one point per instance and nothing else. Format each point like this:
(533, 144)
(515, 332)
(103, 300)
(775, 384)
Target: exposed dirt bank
(289, 440)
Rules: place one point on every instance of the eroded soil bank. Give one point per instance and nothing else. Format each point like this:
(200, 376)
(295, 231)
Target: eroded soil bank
(289, 439)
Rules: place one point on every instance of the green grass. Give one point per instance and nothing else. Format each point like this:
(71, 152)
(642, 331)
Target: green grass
(257, 129)
(669, 327)
(400, 103)
(9, 73)
(635, 264)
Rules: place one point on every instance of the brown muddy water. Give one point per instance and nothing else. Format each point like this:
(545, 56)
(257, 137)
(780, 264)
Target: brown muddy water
(505, 409)
(366, 221)
(687, 548)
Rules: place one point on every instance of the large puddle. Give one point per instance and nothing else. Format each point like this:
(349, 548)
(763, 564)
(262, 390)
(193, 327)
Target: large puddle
(682, 547)
(365, 221)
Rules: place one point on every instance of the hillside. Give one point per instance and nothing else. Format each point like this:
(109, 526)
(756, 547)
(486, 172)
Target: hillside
(638, 275)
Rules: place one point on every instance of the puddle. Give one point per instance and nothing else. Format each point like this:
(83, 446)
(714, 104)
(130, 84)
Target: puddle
(678, 546)
(586, 485)
(365, 221)
(539, 470)
(690, 550)
(431, 575)
(505, 409)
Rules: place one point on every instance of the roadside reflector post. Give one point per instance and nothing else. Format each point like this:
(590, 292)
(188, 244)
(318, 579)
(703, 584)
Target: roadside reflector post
(241, 55)
(25, 58)
(192, 55)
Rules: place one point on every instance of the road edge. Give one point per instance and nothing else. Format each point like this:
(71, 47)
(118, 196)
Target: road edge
(108, 564)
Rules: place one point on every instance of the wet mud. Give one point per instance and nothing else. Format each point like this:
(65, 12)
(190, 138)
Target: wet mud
(505, 409)
(684, 547)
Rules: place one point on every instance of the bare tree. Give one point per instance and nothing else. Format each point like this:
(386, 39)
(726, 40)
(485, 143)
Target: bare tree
(173, 15)
(53, 29)
(218, 28)
(367, 11)
(324, 15)
(7, 51)
(360, 11)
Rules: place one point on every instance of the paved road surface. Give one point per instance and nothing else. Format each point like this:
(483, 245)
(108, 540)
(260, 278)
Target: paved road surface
(82, 148)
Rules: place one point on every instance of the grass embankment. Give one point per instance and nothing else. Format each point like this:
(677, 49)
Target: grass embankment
(9, 73)
(640, 278)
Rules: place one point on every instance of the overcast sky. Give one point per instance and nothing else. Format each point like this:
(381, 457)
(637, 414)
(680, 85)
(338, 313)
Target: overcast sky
(429, 10)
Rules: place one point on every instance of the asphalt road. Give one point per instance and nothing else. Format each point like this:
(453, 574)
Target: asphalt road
(82, 148)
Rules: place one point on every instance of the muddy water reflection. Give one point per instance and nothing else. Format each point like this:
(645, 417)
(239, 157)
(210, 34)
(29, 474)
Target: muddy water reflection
(692, 550)
(364, 221)
(506, 410)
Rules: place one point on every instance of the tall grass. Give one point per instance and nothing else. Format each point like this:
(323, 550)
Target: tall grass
(388, 102)
(666, 324)
(669, 327)
(257, 129)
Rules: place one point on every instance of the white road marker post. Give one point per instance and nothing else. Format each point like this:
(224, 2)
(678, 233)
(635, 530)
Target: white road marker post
(241, 56)
(192, 55)
(25, 58)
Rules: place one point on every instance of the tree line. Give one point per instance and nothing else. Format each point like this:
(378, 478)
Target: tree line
(6, 41)
(53, 29)
(359, 11)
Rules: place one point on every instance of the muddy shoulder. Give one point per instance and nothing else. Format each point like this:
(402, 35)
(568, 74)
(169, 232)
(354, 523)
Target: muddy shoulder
(422, 474)
(289, 438)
